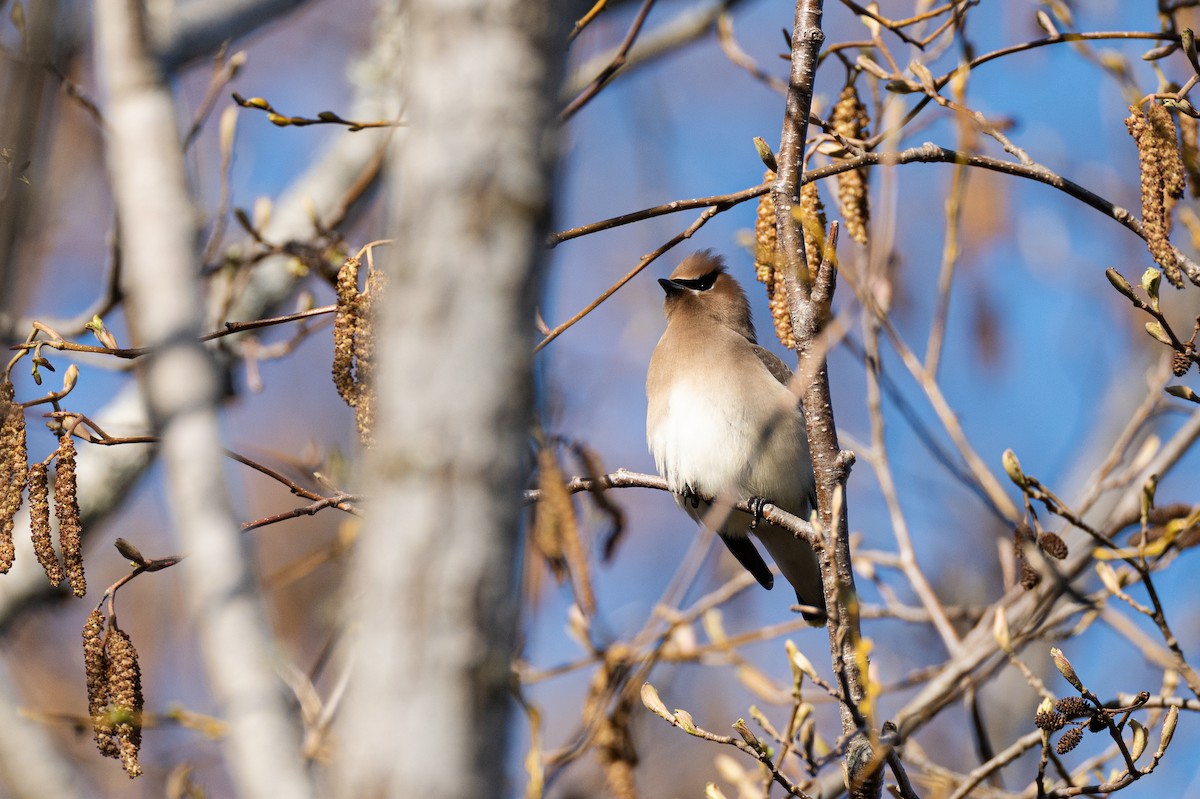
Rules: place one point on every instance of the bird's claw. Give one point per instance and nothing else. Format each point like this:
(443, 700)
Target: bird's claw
(690, 495)
(756, 508)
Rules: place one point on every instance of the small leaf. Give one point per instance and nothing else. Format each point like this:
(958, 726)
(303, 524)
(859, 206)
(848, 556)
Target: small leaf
(923, 74)
(799, 662)
(1151, 280)
(1156, 330)
(654, 703)
(1141, 736)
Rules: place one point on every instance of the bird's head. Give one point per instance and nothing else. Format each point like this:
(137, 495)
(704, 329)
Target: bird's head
(700, 288)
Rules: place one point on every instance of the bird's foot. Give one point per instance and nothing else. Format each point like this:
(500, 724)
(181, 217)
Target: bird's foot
(756, 508)
(690, 495)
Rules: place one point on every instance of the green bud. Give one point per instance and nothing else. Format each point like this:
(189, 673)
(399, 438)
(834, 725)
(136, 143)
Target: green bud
(1168, 730)
(1183, 392)
(654, 703)
(1012, 467)
(764, 152)
(1121, 284)
(1066, 669)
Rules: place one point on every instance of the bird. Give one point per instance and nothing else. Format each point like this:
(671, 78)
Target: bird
(722, 422)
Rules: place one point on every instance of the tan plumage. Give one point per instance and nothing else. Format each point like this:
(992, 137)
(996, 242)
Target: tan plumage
(722, 420)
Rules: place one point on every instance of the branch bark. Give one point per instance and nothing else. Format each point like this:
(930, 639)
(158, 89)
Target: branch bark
(810, 297)
(181, 388)
(436, 563)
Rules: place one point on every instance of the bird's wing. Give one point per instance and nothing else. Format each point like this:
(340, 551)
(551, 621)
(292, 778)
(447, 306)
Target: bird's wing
(776, 367)
(744, 550)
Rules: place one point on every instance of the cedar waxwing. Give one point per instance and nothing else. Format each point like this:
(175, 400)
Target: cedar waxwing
(722, 422)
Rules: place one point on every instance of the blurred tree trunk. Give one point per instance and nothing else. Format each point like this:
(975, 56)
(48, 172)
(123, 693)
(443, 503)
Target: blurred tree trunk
(435, 573)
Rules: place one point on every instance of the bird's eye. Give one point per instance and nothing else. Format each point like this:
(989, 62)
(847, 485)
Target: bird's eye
(702, 283)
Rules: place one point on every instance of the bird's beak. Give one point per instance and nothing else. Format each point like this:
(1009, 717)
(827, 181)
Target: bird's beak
(670, 286)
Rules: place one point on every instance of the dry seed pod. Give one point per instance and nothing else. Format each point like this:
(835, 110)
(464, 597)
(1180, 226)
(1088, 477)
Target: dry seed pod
(95, 667)
(1049, 720)
(1069, 740)
(66, 510)
(1180, 363)
(849, 119)
(1073, 707)
(13, 457)
(125, 697)
(1053, 545)
(39, 523)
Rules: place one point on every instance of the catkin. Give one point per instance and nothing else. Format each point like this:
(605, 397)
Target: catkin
(125, 697)
(39, 523)
(1162, 181)
(95, 668)
(66, 510)
(353, 344)
(345, 330)
(849, 119)
(767, 261)
(13, 458)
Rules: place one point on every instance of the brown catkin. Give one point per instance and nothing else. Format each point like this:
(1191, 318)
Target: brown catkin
(766, 237)
(95, 669)
(125, 697)
(345, 330)
(767, 265)
(1053, 545)
(1189, 151)
(1153, 132)
(1167, 141)
(1180, 363)
(849, 119)
(354, 342)
(13, 458)
(813, 224)
(1069, 740)
(1073, 707)
(1049, 720)
(767, 261)
(1029, 576)
(39, 522)
(364, 350)
(66, 510)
